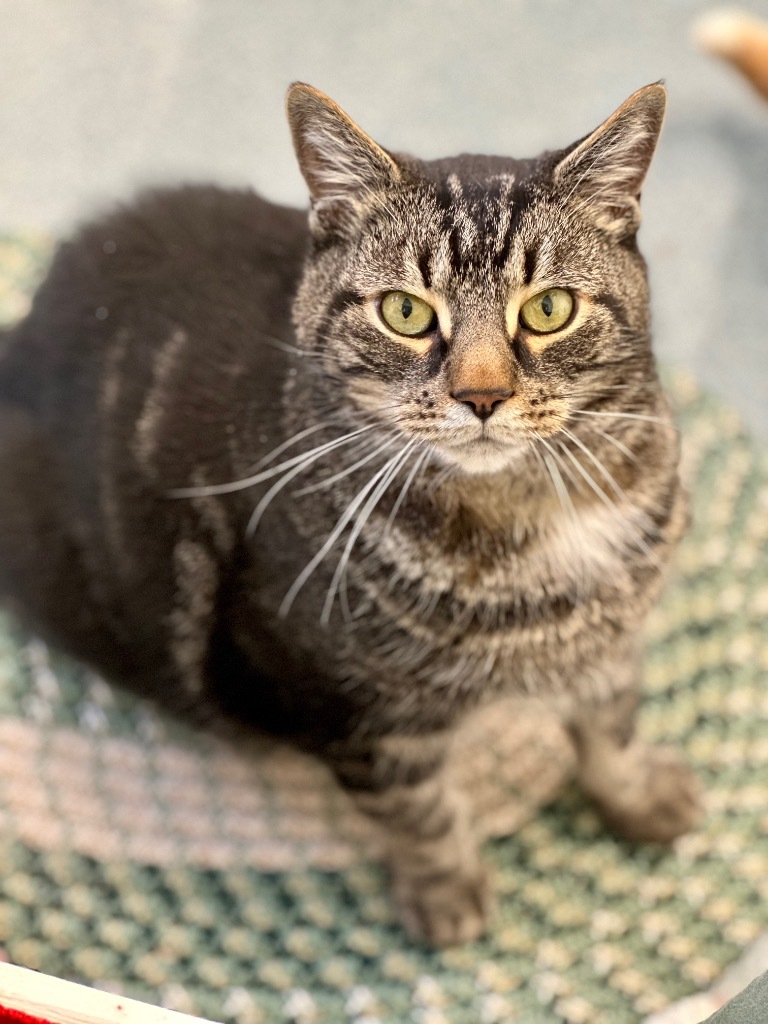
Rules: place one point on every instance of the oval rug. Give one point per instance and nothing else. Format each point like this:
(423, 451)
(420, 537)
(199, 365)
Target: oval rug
(234, 881)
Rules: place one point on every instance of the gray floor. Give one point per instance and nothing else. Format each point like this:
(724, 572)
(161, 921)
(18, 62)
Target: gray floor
(100, 96)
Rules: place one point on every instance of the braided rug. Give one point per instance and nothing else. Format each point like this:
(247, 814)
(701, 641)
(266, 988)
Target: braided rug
(234, 881)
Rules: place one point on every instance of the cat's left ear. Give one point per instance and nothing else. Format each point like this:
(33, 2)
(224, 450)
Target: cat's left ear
(606, 170)
(342, 166)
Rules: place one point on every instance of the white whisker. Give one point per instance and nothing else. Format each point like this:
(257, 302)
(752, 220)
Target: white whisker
(267, 474)
(287, 444)
(284, 346)
(566, 469)
(618, 444)
(335, 533)
(588, 478)
(624, 517)
(625, 416)
(262, 506)
(596, 462)
(442, 475)
(392, 468)
(311, 488)
(559, 485)
(418, 464)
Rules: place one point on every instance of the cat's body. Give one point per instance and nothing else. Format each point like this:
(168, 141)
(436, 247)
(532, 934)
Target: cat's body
(492, 520)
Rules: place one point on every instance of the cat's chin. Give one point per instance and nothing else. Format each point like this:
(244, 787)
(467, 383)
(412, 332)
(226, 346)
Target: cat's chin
(483, 457)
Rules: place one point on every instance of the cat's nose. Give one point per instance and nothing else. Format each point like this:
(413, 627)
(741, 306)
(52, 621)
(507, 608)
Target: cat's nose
(482, 403)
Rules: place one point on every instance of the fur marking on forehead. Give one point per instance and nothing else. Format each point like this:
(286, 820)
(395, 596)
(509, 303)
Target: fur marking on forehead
(477, 224)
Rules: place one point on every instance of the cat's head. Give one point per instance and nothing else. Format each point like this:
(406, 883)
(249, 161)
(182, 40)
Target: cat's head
(475, 303)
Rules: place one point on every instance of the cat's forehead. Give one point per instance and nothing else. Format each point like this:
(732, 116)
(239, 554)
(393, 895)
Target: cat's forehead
(476, 190)
(476, 169)
(464, 222)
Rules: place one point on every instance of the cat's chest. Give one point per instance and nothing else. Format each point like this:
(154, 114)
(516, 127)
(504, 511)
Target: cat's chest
(594, 547)
(581, 551)
(459, 626)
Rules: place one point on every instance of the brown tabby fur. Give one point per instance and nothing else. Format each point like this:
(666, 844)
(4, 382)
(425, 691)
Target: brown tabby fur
(169, 514)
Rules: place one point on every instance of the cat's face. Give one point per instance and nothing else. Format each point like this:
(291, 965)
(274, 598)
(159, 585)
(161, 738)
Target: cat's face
(475, 303)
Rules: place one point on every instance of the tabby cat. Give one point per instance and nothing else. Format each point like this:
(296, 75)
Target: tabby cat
(454, 478)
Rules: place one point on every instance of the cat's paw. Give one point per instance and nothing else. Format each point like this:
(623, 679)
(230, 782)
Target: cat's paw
(664, 802)
(445, 909)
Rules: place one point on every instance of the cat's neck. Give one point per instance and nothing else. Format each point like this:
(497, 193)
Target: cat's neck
(546, 489)
(512, 501)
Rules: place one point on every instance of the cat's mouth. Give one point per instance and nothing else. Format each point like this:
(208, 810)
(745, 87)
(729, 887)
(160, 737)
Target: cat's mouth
(484, 454)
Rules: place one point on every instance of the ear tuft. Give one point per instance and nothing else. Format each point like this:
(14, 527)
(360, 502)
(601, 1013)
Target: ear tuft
(340, 163)
(606, 170)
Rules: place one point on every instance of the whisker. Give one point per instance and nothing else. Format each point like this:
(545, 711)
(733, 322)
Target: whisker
(262, 506)
(553, 452)
(622, 361)
(394, 466)
(619, 444)
(596, 462)
(625, 416)
(613, 508)
(287, 444)
(267, 474)
(442, 475)
(284, 346)
(551, 472)
(587, 476)
(341, 523)
(602, 391)
(559, 485)
(311, 488)
(418, 464)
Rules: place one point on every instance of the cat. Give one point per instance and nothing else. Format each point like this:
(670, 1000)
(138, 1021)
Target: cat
(453, 479)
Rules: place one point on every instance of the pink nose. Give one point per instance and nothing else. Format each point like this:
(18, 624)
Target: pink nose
(482, 403)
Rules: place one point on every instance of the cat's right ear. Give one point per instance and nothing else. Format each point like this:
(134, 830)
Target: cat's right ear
(606, 170)
(342, 166)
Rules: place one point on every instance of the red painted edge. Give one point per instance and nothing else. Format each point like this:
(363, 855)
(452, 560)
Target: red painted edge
(9, 1016)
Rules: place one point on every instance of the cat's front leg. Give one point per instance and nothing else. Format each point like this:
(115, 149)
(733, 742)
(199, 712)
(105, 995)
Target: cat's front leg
(644, 792)
(439, 883)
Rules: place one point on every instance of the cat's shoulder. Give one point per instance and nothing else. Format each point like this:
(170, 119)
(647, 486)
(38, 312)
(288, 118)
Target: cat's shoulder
(194, 218)
(197, 246)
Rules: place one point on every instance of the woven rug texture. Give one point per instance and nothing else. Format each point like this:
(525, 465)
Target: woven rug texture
(234, 880)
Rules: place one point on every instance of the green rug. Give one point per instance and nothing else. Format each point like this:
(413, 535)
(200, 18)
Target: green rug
(237, 883)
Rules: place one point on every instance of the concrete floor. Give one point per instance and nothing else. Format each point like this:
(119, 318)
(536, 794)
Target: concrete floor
(101, 96)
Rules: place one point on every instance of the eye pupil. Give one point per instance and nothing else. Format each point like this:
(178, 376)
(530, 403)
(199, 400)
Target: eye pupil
(407, 314)
(548, 311)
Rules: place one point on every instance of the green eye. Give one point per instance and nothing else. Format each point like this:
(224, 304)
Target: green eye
(548, 311)
(407, 314)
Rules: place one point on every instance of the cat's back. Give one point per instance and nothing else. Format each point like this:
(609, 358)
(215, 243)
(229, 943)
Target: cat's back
(154, 321)
(151, 354)
(180, 256)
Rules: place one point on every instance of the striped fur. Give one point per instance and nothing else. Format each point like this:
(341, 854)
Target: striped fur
(311, 530)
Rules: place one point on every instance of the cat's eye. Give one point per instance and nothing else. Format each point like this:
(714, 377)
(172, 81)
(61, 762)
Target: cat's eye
(548, 311)
(407, 314)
